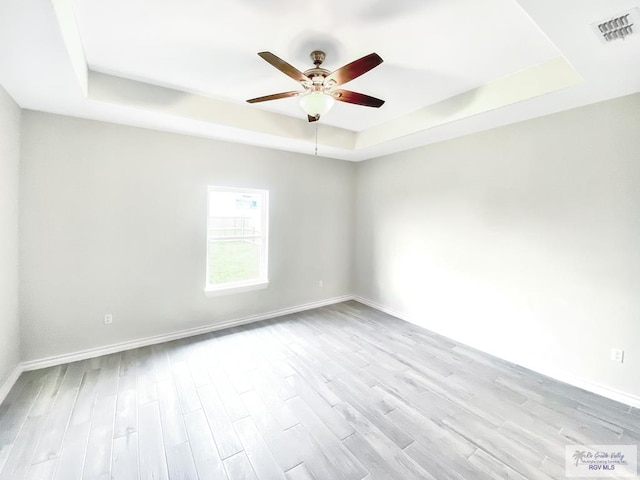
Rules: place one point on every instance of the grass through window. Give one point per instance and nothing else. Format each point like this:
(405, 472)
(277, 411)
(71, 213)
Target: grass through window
(233, 261)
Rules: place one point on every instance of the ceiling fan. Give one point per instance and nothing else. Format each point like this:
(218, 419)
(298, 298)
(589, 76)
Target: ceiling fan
(319, 84)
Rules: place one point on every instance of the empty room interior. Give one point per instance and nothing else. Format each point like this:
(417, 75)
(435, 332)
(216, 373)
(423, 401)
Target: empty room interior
(319, 240)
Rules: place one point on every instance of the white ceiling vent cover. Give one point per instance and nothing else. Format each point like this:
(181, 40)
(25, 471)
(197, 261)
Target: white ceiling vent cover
(619, 27)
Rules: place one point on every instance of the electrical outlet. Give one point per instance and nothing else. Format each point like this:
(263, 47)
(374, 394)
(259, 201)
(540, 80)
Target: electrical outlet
(108, 318)
(320, 283)
(617, 355)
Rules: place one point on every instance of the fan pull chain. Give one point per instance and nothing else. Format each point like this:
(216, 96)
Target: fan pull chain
(316, 152)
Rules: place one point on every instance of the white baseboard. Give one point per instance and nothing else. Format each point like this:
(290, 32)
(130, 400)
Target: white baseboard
(10, 382)
(589, 386)
(556, 374)
(167, 337)
(383, 308)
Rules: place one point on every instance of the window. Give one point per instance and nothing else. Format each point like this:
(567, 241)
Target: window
(237, 240)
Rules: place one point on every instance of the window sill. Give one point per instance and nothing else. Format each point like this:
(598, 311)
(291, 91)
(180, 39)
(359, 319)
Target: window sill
(235, 288)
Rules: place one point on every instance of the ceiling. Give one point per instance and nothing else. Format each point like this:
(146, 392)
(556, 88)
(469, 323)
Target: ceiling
(451, 67)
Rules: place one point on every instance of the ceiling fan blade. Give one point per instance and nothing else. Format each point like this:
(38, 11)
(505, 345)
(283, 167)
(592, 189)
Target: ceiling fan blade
(275, 96)
(284, 67)
(354, 69)
(357, 98)
(313, 119)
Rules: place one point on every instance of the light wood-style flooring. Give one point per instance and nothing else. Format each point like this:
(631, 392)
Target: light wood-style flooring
(340, 392)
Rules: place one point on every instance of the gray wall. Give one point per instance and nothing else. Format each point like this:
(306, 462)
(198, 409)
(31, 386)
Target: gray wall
(9, 181)
(113, 220)
(522, 241)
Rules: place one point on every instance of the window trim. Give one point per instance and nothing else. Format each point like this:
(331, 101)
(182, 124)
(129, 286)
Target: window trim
(262, 281)
(236, 287)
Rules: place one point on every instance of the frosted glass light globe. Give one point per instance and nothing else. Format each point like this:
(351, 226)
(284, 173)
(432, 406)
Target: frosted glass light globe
(316, 103)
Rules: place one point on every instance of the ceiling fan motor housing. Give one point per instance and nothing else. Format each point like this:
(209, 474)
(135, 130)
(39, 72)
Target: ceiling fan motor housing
(317, 57)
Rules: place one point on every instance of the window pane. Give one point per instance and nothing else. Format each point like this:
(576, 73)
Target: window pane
(236, 236)
(233, 260)
(237, 226)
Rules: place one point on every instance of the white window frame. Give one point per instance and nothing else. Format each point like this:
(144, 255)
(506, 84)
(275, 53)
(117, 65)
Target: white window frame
(262, 281)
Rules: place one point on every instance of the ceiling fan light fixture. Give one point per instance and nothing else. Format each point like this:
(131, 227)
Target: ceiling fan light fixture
(316, 103)
(318, 94)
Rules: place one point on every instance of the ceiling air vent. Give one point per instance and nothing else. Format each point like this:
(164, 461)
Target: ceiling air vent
(619, 27)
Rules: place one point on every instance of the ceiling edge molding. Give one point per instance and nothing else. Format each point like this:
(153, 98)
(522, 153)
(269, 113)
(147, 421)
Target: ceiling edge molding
(177, 103)
(532, 82)
(73, 43)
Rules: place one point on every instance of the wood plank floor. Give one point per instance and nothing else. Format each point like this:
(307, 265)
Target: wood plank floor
(340, 392)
